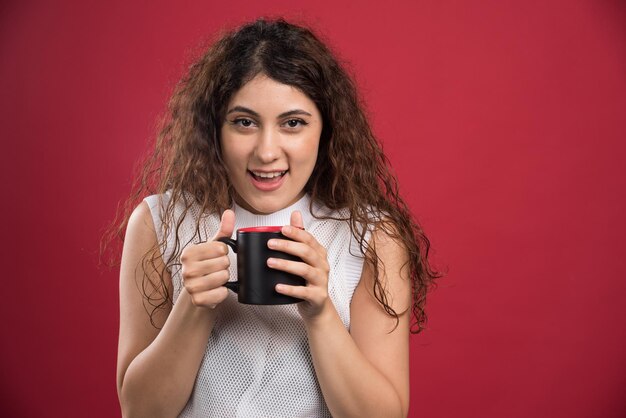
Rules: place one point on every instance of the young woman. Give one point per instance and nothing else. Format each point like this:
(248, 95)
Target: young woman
(266, 129)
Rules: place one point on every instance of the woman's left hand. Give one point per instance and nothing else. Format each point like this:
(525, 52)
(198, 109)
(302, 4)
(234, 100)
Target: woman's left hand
(314, 267)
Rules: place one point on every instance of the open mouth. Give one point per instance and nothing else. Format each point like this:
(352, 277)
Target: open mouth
(267, 177)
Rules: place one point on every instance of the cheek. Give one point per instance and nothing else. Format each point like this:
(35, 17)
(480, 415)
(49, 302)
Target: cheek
(309, 150)
(232, 156)
(312, 154)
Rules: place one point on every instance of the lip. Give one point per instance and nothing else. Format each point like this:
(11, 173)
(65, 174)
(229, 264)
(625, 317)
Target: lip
(267, 186)
(266, 171)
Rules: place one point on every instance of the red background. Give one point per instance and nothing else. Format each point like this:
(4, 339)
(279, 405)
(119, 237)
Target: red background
(505, 122)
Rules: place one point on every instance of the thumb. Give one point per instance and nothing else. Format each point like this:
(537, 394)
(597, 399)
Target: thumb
(227, 225)
(296, 219)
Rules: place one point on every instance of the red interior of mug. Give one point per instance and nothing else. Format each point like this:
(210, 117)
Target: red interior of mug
(261, 229)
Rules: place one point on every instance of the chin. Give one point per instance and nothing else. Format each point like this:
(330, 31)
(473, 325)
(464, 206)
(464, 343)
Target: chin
(268, 208)
(259, 206)
(267, 204)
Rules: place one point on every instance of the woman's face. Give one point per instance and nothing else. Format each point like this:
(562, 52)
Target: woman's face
(269, 138)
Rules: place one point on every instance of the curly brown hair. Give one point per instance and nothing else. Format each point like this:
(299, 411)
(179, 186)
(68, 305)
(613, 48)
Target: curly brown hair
(351, 170)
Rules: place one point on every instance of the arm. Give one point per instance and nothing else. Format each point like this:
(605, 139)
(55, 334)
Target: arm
(364, 372)
(156, 369)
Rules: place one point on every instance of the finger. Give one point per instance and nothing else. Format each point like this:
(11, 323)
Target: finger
(211, 298)
(203, 251)
(300, 292)
(299, 249)
(227, 225)
(296, 219)
(300, 235)
(207, 282)
(204, 267)
(310, 294)
(308, 273)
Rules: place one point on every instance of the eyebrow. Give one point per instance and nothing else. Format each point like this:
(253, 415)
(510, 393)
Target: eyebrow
(255, 114)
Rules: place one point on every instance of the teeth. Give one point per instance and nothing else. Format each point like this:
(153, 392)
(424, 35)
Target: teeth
(269, 175)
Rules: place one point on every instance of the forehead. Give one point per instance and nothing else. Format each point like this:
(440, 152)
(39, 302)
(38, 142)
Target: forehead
(266, 96)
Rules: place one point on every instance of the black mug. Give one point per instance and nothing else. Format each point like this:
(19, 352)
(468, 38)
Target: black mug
(256, 281)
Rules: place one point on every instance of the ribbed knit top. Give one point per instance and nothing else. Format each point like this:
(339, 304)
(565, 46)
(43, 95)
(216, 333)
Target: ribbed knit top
(257, 361)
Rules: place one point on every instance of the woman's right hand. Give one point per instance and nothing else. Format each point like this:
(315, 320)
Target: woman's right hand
(205, 266)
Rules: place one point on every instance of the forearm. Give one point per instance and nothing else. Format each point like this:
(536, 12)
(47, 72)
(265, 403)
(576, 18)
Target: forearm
(159, 381)
(351, 385)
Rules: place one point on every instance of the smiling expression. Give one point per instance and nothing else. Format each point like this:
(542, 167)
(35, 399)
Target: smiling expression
(269, 139)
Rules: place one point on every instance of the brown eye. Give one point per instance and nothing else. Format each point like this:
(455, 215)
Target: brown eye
(294, 123)
(244, 122)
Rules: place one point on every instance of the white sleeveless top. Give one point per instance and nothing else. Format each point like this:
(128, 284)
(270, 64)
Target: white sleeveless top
(257, 361)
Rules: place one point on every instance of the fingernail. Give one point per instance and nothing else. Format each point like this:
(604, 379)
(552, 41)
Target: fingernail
(272, 243)
(271, 262)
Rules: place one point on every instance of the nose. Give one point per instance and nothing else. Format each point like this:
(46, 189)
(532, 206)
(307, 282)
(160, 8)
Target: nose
(268, 146)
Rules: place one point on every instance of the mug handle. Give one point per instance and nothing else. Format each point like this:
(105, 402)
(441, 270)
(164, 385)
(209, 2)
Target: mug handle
(234, 286)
